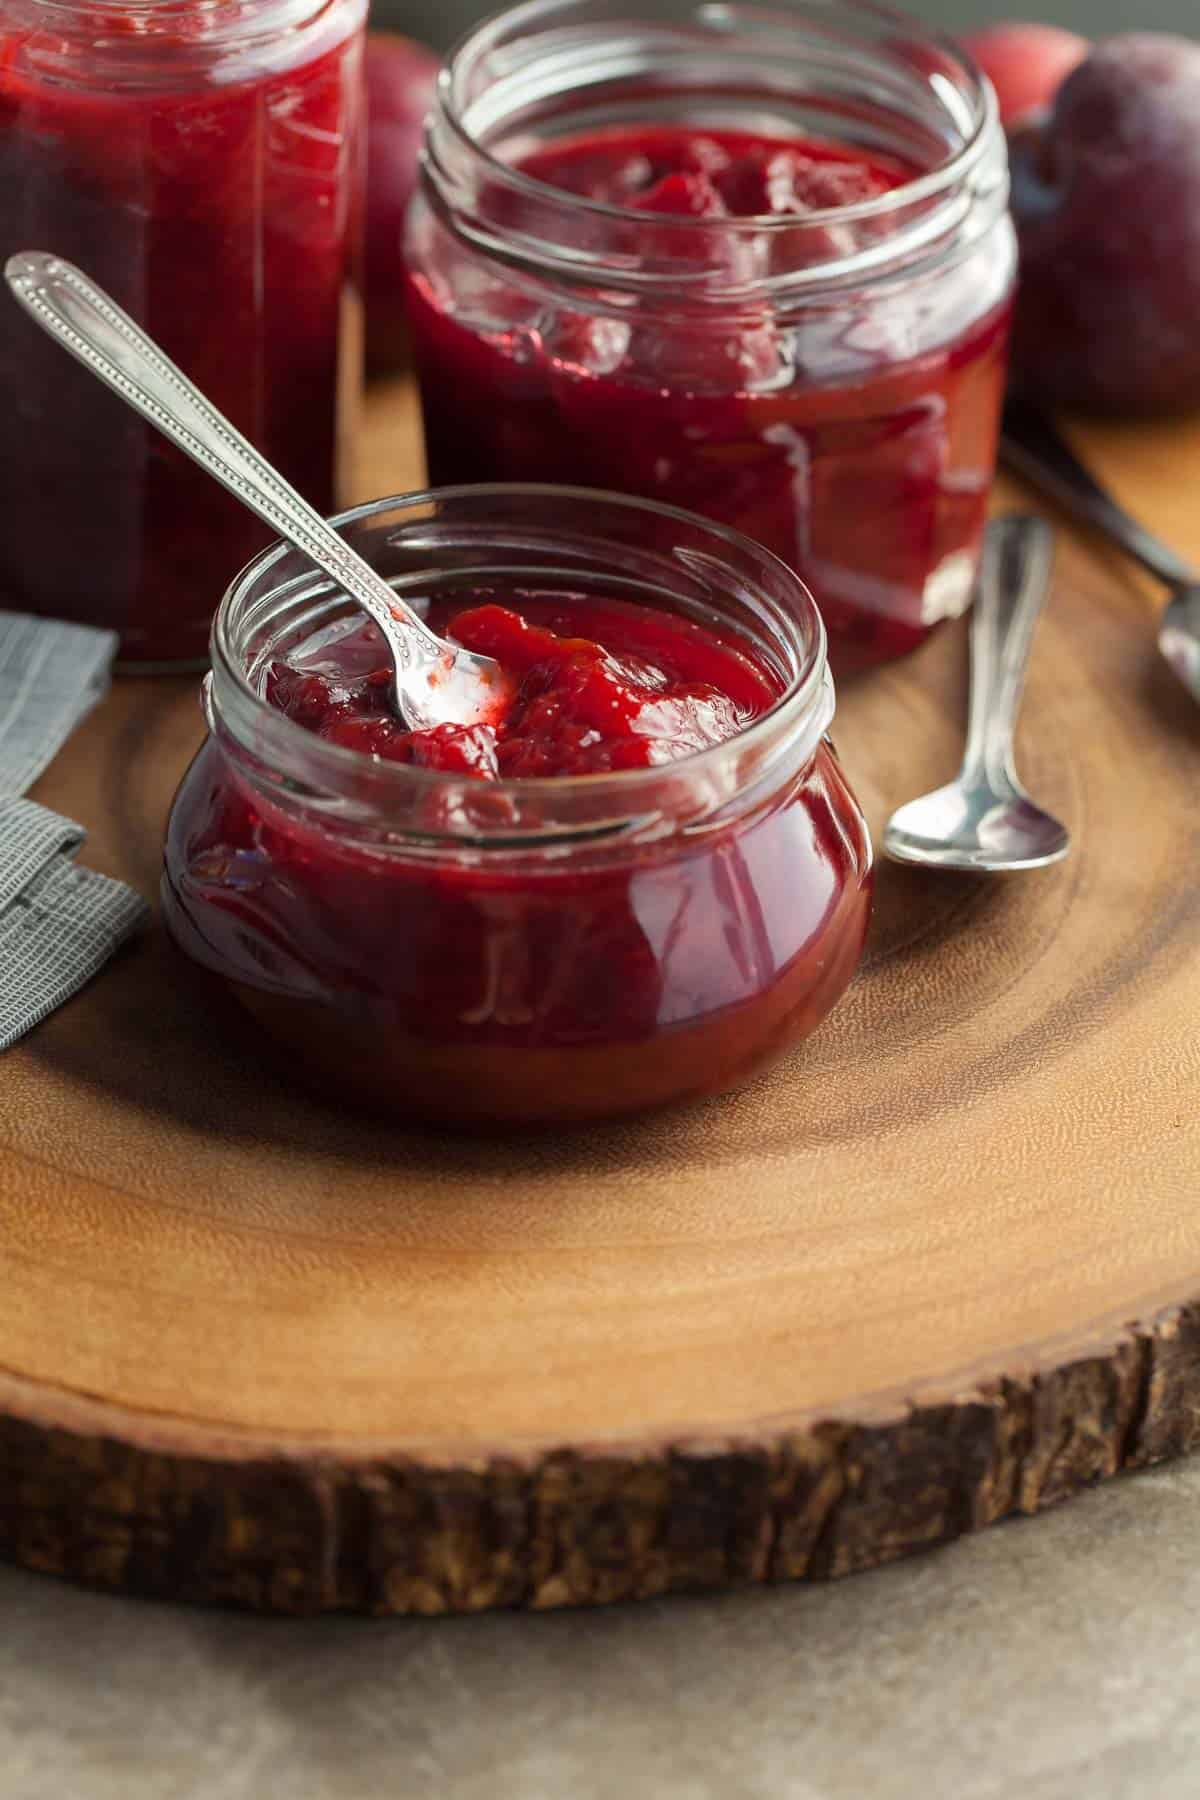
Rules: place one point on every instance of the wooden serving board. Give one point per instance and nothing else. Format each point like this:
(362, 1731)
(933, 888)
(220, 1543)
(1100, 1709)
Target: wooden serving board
(941, 1266)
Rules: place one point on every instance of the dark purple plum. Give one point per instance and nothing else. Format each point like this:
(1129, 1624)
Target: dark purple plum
(1106, 192)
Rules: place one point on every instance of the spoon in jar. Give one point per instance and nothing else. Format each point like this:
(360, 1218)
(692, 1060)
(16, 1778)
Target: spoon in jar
(1033, 448)
(433, 682)
(984, 820)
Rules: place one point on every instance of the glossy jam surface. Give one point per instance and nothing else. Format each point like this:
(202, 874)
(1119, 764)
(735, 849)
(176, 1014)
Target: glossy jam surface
(597, 685)
(216, 198)
(548, 980)
(855, 437)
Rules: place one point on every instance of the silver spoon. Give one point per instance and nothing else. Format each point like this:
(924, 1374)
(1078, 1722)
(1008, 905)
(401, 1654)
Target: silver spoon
(984, 820)
(1032, 447)
(433, 682)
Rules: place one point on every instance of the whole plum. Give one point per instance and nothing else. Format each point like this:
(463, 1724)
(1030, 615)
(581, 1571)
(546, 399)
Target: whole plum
(400, 79)
(1026, 64)
(1106, 194)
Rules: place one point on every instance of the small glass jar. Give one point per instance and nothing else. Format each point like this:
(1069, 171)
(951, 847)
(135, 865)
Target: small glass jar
(829, 384)
(532, 951)
(204, 163)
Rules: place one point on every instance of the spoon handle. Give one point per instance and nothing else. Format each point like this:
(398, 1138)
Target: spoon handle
(1018, 553)
(88, 323)
(1033, 447)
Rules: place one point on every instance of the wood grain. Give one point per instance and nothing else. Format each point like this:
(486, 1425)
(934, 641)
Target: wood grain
(942, 1266)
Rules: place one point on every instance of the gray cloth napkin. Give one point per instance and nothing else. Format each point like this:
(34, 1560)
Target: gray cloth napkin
(59, 923)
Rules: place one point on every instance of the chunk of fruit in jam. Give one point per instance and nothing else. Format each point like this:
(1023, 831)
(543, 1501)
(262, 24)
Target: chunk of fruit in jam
(684, 196)
(721, 174)
(642, 689)
(780, 181)
(856, 442)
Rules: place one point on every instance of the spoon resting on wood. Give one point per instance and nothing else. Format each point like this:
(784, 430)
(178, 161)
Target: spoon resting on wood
(984, 820)
(1034, 448)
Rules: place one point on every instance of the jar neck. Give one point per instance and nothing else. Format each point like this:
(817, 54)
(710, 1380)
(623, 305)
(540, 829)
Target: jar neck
(842, 70)
(156, 43)
(544, 538)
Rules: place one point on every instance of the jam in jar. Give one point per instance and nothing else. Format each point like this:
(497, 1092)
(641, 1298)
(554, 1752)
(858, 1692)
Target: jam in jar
(750, 262)
(645, 880)
(203, 163)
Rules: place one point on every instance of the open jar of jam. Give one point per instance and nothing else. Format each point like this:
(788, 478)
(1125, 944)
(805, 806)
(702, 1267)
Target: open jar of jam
(646, 882)
(750, 261)
(203, 163)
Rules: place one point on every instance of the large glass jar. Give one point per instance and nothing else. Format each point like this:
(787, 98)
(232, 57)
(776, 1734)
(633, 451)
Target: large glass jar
(523, 950)
(827, 382)
(203, 163)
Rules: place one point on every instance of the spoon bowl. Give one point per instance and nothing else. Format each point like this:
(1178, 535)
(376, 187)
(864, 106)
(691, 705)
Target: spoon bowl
(975, 829)
(1179, 636)
(984, 820)
(434, 682)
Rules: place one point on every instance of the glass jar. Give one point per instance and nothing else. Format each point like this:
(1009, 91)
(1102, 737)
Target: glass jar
(535, 950)
(828, 383)
(203, 163)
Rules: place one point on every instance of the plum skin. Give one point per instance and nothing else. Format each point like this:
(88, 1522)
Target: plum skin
(1106, 194)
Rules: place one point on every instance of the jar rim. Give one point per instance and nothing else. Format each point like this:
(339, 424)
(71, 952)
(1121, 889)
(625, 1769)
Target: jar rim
(802, 710)
(157, 16)
(177, 41)
(933, 184)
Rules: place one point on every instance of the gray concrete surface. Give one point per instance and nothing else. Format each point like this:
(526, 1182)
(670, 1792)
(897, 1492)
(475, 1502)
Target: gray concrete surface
(1044, 1660)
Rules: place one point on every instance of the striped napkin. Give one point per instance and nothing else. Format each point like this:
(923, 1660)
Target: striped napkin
(59, 923)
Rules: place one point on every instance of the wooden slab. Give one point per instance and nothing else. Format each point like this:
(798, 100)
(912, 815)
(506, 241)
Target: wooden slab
(941, 1266)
